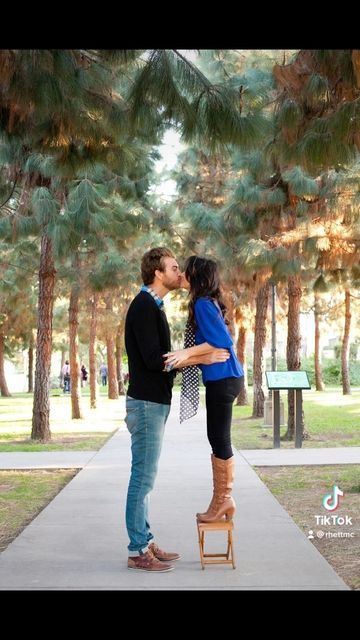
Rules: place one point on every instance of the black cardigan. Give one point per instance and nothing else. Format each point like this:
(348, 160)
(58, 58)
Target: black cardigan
(147, 338)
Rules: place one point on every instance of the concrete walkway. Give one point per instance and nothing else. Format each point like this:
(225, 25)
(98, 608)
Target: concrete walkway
(46, 459)
(79, 541)
(287, 457)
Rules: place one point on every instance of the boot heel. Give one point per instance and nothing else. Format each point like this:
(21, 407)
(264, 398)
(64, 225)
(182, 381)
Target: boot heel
(230, 514)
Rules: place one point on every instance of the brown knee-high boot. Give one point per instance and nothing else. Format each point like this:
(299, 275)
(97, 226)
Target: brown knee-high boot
(199, 515)
(223, 504)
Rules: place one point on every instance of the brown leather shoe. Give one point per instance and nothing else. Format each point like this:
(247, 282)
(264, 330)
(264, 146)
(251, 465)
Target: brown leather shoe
(163, 555)
(147, 562)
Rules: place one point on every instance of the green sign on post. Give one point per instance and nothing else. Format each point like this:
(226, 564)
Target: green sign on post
(293, 380)
(287, 380)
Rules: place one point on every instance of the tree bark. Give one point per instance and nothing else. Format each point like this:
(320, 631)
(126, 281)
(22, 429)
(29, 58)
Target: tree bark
(230, 311)
(262, 301)
(3, 384)
(319, 383)
(31, 363)
(92, 352)
(74, 346)
(113, 392)
(345, 347)
(242, 398)
(41, 407)
(293, 348)
(118, 354)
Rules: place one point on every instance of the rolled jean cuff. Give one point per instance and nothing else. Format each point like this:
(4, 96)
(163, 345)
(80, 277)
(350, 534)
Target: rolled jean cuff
(135, 554)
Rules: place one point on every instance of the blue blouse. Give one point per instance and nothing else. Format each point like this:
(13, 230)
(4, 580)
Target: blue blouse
(211, 328)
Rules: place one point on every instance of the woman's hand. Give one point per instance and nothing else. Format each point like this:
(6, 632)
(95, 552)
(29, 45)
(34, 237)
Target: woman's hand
(175, 358)
(217, 355)
(181, 357)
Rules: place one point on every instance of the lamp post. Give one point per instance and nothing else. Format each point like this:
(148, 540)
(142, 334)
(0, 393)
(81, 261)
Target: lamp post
(273, 327)
(273, 332)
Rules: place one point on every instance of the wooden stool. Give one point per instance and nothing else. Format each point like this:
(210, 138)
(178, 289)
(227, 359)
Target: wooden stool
(216, 558)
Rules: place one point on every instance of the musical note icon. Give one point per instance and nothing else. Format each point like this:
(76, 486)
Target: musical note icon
(331, 500)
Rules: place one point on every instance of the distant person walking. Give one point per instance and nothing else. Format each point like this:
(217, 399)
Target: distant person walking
(104, 374)
(66, 376)
(84, 375)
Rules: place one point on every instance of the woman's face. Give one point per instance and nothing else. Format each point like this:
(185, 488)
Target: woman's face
(184, 284)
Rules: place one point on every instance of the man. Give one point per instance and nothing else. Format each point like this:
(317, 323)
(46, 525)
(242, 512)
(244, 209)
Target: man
(66, 376)
(147, 339)
(103, 374)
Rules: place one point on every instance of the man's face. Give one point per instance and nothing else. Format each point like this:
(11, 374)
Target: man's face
(171, 276)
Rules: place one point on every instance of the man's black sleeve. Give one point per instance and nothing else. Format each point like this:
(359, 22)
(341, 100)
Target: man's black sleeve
(146, 330)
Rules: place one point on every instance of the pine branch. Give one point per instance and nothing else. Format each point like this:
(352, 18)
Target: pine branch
(12, 191)
(195, 69)
(17, 266)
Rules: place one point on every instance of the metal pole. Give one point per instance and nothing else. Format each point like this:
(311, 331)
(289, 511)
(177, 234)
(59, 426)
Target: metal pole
(276, 417)
(298, 417)
(273, 334)
(273, 327)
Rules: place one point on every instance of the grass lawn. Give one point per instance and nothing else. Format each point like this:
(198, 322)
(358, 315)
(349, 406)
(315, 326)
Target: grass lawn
(331, 419)
(87, 433)
(300, 491)
(59, 442)
(23, 494)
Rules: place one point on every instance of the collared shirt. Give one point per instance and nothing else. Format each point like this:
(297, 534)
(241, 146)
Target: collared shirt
(159, 301)
(147, 338)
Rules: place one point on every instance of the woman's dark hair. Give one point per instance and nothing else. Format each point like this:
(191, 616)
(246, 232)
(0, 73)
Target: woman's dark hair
(204, 279)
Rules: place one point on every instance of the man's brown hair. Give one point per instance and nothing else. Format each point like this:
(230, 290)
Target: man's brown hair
(153, 260)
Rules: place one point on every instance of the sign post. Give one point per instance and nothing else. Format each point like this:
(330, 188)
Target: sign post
(285, 381)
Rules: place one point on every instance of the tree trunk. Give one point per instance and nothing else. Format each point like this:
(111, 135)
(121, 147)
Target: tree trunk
(293, 348)
(92, 352)
(41, 407)
(118, 354)
(74, 347)
(3, 385)
(345, 347)
(113, 392)
(319, 383)
(242, 398)
(230, 311)
(31, 363)
(262, 301)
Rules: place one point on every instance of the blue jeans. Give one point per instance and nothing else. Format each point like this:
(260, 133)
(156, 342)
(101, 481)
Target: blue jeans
(146, 423)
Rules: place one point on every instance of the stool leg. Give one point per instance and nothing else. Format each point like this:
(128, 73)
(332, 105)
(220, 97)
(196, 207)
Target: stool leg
(201, 547)
(232, 550)
(228, 545)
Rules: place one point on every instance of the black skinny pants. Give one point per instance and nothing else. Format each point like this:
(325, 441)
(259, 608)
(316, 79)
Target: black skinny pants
(219, 396)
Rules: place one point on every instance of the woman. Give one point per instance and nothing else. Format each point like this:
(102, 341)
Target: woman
(223, 380)
(84, 375)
